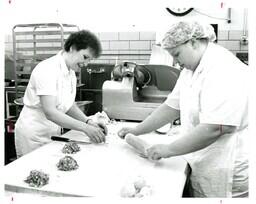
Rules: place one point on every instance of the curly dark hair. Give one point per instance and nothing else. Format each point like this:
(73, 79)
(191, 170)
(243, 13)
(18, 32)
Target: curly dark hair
(84, 39)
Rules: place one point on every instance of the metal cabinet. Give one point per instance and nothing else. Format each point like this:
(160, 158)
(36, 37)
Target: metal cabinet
(33, 43)
(93, 76)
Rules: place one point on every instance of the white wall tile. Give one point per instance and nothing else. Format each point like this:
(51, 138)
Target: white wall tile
(223, 35)
(140, 45)
(119, 45)
(129, 35)
(108, 36)
(147, 36)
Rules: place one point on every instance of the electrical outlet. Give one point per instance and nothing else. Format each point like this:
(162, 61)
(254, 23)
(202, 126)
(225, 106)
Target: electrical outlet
(244, 40)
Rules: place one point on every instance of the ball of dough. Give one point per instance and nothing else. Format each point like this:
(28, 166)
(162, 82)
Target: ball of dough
(146, 191)
(128, 190)
(139, 183)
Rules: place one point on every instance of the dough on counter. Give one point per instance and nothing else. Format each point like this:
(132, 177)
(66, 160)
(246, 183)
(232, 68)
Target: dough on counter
(128, 190)
(70, 148)
(136, 188)
(138, 143)
(139, 183)
(144, 192)
(67, 164)
(37, 178)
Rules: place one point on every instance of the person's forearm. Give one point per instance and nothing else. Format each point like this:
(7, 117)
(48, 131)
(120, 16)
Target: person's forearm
(158, 118)
(200, 137)
(65, 120)
(76, 113)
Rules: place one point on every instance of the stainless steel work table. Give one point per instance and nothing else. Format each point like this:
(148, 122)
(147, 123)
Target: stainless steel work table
(103, 168)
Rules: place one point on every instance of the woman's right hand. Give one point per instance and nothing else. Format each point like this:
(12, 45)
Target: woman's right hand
(124, 131)
(95, 133)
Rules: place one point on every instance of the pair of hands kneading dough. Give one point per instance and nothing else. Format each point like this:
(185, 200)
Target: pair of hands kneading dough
(141, 146)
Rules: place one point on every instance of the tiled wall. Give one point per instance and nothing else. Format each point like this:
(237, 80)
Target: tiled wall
(231, 40)
(126, 46)
(8, 44)
(136, 46)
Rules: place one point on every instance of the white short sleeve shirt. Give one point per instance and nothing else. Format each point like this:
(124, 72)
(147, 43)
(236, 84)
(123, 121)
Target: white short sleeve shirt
(51, 77)
(217, 91)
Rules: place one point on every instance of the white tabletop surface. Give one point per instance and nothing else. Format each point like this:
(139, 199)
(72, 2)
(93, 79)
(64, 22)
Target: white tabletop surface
(103, 168)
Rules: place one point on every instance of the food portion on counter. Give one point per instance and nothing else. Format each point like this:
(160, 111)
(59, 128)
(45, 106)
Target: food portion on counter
(145, 191)
(101, 117)
(67, 163)
(136, 188)
(70, 148)
(128, 191)
(37, 178)
(138, 144)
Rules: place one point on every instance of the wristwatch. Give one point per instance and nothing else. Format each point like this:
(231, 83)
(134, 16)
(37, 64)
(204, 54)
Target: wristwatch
(87, 121)
(179, 11)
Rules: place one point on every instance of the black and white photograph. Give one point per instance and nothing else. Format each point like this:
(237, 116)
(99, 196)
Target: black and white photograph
(131, 100)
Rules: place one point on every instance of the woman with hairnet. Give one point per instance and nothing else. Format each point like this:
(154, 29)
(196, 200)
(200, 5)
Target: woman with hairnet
(211, 99)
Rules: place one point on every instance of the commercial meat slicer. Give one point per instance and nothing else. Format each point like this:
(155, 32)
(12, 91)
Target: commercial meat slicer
(136, 90)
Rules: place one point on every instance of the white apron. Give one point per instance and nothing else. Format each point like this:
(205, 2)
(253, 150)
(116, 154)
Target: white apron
(213, 166)
(32, 128)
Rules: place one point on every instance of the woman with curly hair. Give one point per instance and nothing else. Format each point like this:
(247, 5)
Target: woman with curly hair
(49, 100)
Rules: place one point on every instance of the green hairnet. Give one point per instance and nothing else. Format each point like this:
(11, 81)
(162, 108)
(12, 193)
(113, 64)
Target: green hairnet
(183, 31)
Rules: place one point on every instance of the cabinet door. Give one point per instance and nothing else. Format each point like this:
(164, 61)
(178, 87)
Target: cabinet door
(10, 107)
(94, 75)
(96, 97)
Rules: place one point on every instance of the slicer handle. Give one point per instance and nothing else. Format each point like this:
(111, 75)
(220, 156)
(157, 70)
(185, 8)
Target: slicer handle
(62, 139)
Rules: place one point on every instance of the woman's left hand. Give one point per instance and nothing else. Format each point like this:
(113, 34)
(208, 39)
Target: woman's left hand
(102, 126)
(158, 151)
